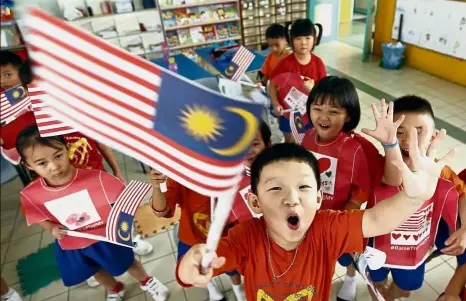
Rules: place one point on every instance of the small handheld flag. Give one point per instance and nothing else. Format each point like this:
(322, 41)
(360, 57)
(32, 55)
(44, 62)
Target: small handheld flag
(239, 64)
(299, 124)
(12, 102)
(119, 227)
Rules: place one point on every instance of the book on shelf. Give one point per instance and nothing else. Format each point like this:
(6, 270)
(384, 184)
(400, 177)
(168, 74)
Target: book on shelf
(164, 3)
(168, 18)
(205, 13)
(222, 31)
(184, 35)
(133, 44)
(209, 32)
(233, 29)
(181, 16)
(150, 21)
(152, 43)
(197, 35)
(126, 25)
(104, 28)
(172, 38)
(194, 15)
(218, 12)
(230, 11)
(115, 42)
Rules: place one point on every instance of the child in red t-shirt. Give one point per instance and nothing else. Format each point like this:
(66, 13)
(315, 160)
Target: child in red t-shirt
(302, 62)
(49, 202)
(276, 36)
(292, 250)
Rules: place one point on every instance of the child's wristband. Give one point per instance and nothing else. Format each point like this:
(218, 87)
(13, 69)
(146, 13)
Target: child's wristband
(390, 145)
(157, 211)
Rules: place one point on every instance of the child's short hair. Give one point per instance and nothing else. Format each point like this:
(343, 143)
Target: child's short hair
(265, 133)
(288, 152)
(25, 73)
(340, 91)
(8, 57)
(30, 136)
(412, 104)
(276, 31)
(302, 28)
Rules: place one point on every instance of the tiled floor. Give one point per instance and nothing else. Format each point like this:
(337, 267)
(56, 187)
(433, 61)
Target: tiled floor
(449, 101)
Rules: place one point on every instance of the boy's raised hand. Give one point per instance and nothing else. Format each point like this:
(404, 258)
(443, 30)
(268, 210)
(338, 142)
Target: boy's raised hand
(385, 130)
(156, 178)
(420, 182)
(190, 268)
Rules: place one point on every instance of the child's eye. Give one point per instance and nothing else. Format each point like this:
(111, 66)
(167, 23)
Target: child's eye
(316, 109)
(334, 112)
(304, 187)
(41, 163)
(58, 156)
(275, 188)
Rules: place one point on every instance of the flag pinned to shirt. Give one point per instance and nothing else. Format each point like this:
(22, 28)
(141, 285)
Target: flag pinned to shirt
(239, 64)
(196, 136)
(46, 117)
(13, 102)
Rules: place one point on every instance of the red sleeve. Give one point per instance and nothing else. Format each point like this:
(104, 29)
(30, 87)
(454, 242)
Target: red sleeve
(450, 175)
(32, 213)
(321, 71)
(266, 66)
(172, 196)
(112, 186)
(360, 182)
(342, 230)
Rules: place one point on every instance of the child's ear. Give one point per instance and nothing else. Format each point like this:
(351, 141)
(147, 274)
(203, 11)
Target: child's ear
(347, 119)
(319, 199)
(253, 202)
(24, 163)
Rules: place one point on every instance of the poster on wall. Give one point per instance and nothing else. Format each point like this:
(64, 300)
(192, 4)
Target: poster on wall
(438, 25)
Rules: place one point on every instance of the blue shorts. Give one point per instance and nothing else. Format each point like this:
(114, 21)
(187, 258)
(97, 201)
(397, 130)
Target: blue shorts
(407, 280)
(77, 266)
(284, 124)
(183, 248)
(345, 260)
(442, 235)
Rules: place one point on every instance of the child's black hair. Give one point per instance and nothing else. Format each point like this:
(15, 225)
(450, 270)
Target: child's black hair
(302, 28)
(288, 152)
(265, 133)
(25, 73)
(413, 104)
(339, 91)
(276, 31)
(30, 137)
(8, 57)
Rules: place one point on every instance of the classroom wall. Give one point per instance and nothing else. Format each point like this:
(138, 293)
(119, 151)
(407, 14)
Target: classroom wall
(345, 11)
(443, 66)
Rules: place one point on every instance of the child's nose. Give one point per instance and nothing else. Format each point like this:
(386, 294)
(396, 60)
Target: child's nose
(291, 198)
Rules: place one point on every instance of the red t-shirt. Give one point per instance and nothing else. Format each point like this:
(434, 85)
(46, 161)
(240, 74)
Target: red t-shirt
(343, 169)
(83, 151)
(331, 234)
(315, 70)
(81, 205)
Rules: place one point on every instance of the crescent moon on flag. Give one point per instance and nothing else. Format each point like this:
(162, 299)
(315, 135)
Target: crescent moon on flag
(22, 90)
(227, 71)
(123, 238)
(248, 136)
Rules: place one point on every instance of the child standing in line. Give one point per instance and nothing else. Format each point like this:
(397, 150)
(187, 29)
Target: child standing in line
(276, 39)
(52, 201)
(302, 62)
(290, 253)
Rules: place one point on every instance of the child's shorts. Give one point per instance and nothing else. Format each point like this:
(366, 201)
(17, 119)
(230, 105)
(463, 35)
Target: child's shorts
(184, 248)
(345, 260)
(408, 280)
(77, 266)
(442, 235)
(284, 124)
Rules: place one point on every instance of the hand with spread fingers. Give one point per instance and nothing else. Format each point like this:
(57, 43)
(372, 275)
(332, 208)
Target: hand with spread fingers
(420, 182)
(385, 128)
(456, 243)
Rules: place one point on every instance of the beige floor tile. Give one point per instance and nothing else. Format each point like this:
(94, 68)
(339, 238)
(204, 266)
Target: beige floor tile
(17, 287)
(340, 270)
(161, 244)
(162, 268)
(176, 292)
(22, 230)
(230, 296)
(53, 289)
(453, 262)
(9, 273)
(8, 216)
(47, 239)
(223, 282)
(61, 297)
(13, 187)
(6, 232)
(3, 250)
(173, 242)
(85, 293)
(426, 293)
(436, 282)
(336, 285)
(196, 294)
(23, 247)
(140, 297)
(434, 263)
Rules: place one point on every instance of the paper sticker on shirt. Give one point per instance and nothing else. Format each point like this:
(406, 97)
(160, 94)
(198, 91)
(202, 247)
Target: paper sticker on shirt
(74, 211)
(415, 229)
(244, 194)
(328, 172)
(296, 100)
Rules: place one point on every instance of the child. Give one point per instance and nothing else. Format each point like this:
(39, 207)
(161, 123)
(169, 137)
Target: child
(195, 213)
(9, 75)
(291, 252)
(276, 39)
(303, 62)
(8, 294)
(417, 117)
(48, 201)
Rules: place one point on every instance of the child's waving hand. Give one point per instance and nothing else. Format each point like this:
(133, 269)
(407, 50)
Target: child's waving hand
(157, 178)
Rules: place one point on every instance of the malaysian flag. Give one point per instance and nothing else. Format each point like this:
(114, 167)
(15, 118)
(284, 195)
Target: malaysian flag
(46, 122)
(298, 126)
(120, 220)
(196, 136)
(13, 102)
(239, 64)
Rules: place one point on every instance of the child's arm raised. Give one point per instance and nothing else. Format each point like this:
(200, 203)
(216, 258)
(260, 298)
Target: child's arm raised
(419, 185)
(158, 203)
(385, 133)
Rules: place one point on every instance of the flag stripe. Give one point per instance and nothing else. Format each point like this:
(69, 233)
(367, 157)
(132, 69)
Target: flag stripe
(298, 137)
(243, 59)
(116, 209)
(7, 110)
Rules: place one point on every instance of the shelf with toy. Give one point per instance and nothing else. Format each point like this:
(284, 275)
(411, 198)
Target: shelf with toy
(203, 3)
(205, 43)
(200, 24)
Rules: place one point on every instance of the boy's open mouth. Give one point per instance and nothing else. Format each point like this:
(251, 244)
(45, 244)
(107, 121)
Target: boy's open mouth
(405, 152)
(293, 221)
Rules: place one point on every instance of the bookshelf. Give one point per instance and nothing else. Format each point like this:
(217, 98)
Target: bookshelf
(190, 23)
(11, 38)
(257, 15)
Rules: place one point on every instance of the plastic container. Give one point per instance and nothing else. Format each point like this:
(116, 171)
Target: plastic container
(172, 66)
(165, 51)
(392, 55)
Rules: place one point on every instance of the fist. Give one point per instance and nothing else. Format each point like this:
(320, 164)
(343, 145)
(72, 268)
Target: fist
(308, 85)
(277, 110)
(157, 178)
(56, 232)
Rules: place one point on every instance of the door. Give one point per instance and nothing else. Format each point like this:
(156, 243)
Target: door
(325, 12)
(370, 19)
